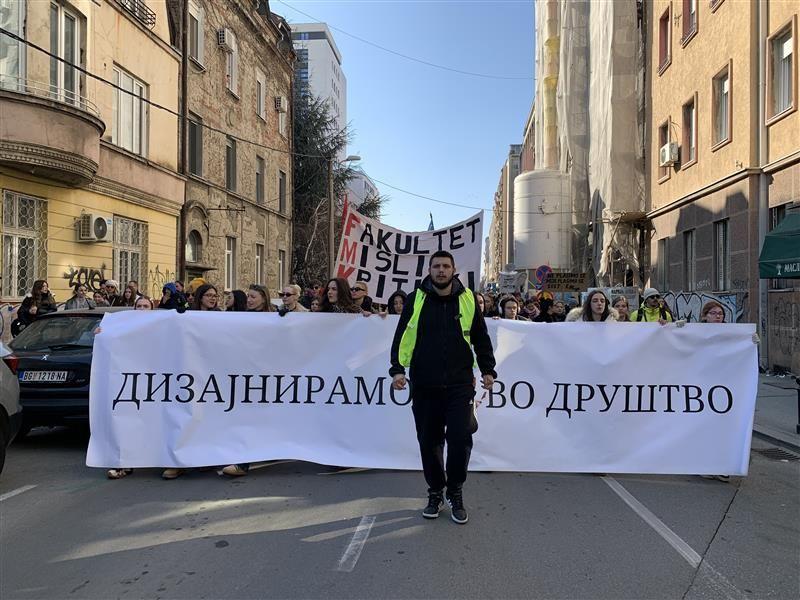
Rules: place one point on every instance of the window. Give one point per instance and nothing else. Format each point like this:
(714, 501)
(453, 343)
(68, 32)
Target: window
(689, 144)
(261, 95)
(281, 268)
(65, 42)
(260, 170)
(663, 265)
(232, 65)
(722, 256)
(782, 75)
(24, 230)
(194, 247)
(195, 145)
(776, 215)
(230, 263)
(689, 20)
(230, 164)
(664, 40)
(663, 140)
(722, 113)
(130, 251)
(196, 38)
(259, 264)
(12, 52)
(688, 261)
(281, 192)
(129, 125)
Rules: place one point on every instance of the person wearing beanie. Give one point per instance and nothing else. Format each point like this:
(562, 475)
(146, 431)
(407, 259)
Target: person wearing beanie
(652, 308)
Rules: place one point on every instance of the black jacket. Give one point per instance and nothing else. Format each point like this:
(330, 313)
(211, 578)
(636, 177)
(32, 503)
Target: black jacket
(440, 355)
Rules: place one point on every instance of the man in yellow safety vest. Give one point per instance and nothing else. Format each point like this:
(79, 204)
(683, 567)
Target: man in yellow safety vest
(435, 337)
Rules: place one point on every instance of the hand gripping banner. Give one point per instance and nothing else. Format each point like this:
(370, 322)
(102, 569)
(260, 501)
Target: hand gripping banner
(204, 388)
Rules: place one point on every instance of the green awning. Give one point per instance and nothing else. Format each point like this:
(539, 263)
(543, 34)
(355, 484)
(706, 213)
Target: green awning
(780, 255)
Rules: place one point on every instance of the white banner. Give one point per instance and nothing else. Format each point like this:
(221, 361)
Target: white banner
(389, 259)
(197, 389)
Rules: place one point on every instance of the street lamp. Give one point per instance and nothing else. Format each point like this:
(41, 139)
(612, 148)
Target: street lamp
(332, 210)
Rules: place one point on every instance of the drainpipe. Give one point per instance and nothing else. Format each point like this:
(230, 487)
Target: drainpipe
(763, 159)
(183, 146)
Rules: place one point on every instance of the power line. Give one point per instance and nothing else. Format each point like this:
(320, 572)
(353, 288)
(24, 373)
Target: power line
(245, 140)
(406, 56)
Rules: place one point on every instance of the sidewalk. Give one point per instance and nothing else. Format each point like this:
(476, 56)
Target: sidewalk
(776, 411)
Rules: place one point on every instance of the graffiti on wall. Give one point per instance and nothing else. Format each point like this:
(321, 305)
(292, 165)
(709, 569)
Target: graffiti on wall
(158, 279)
(89, 276)
(688, 305)
(784, 326)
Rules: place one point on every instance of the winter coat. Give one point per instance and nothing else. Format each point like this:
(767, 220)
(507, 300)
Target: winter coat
(73, 303)
(575, 315)
(46, 305)
(441, 356)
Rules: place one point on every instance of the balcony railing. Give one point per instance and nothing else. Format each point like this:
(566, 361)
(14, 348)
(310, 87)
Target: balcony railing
(140, 10)
(50, 92)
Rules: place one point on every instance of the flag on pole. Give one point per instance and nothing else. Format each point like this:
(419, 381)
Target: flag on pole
(430, 225)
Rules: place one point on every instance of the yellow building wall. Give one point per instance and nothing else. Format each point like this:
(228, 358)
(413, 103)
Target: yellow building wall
(65, 255)
(113, 38)
(722, 36)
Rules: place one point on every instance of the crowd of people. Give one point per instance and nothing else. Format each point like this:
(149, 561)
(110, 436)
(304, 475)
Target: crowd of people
(339, 296)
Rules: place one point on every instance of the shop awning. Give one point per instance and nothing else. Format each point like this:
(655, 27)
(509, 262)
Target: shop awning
(780, 255)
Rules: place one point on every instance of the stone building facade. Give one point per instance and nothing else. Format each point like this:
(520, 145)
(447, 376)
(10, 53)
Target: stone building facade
(237, 215)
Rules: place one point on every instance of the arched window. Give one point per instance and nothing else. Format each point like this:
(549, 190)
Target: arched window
(194, 247)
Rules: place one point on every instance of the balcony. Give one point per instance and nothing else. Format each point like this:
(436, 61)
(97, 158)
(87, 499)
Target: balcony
(47, 132)
(140, 11)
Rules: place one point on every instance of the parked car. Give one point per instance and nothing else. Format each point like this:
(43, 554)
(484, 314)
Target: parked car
(52, 359)
(10, 410)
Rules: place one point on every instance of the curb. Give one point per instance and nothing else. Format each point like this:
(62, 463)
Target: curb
(775, 440)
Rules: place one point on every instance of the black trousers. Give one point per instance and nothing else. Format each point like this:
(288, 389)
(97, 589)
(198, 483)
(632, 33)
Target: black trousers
(444, 414)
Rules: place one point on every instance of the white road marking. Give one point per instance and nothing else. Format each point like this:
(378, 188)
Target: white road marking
(351, 555)
(16, 492)
(672, 538)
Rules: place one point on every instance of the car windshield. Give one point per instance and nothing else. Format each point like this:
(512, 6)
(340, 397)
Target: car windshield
(57, 333)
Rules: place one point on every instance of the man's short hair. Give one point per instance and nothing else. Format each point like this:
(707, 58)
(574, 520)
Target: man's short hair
(441, 254)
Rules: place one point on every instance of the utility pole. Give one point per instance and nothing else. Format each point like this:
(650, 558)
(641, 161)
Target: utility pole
(331, 215)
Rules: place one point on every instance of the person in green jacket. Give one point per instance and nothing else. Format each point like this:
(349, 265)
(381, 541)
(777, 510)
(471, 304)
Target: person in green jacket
(652, 308)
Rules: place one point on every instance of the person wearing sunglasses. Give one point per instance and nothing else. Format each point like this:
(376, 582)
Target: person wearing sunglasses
(290, 297)
(360, 292)
(652, 308)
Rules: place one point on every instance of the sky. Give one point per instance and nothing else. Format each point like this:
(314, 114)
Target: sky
(427, 130)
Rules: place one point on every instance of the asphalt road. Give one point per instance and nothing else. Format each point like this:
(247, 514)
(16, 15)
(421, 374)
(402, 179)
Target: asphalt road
(298, 530)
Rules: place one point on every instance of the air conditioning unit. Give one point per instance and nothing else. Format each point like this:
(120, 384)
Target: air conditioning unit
(224, 39)
(668, 155)
(280, 104)
(95, 228)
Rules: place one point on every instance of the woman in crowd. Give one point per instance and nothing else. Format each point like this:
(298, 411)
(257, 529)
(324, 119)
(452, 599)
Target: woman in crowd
(37, 303)
(143, 303)
(236, 301)
(509, 309)
(316, 305)
(172, 298)
(545, 311)
(112, 293)
(531, 310)
(206, 298)
(100, 299)
(397, 301)
(79, 299)
(489, 308)
(337, 297)
(620, 304)
(481, 300)
(258, 299)
(595, 308)
(128, 297)
(712, 312)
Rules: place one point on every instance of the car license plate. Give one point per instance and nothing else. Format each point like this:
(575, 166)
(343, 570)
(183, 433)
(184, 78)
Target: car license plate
(43, 376)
